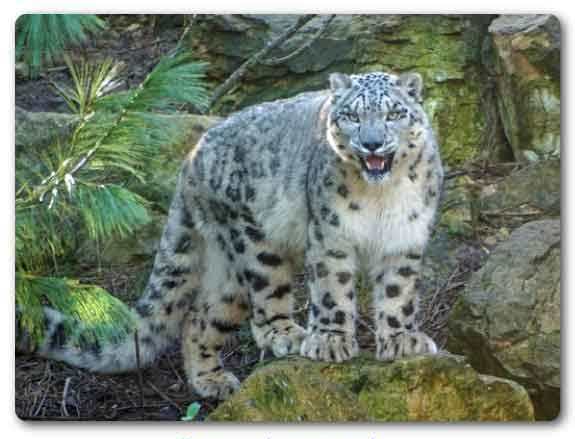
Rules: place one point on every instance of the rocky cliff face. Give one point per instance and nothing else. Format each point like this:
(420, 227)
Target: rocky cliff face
(492, 83)
(444, 49)
(527, 67)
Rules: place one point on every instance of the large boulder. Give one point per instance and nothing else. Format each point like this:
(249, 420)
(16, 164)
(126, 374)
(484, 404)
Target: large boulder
(445, 49)
(527, 66)
(532, 191)
(37, 129)
(441, 388)
(507, 321)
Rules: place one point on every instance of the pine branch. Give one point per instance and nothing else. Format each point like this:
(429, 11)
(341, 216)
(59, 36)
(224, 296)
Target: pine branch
(42, 37)
(175, 80)
(118, 136)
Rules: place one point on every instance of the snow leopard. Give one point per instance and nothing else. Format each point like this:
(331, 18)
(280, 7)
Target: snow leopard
(334, 184)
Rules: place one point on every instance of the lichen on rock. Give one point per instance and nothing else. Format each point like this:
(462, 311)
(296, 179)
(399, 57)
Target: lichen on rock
(434, 388)
(527, 60)
(507, 321)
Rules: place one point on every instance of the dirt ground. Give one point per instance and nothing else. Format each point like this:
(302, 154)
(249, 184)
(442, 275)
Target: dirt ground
(49, 390)
(139, 41)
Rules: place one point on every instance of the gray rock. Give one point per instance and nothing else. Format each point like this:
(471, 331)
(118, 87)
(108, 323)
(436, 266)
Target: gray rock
(507, 321)
(534, 189)
(40, 129)
(527, 67)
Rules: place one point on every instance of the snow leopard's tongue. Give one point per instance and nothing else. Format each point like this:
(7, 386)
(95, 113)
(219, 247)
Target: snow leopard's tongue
(375, 163)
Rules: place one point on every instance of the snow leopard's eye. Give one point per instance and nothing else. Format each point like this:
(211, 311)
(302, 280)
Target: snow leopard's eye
(352, 117)
(393, 115)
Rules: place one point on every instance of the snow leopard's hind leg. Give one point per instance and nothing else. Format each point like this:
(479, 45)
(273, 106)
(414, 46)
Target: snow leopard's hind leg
(222, 306)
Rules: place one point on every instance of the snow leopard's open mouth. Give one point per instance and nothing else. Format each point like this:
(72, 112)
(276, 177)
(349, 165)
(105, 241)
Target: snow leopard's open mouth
(376, 165)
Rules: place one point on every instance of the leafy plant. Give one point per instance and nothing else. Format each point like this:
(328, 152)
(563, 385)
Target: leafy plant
(91, 81)
(83, 187)
(192, 411)
(41, 38)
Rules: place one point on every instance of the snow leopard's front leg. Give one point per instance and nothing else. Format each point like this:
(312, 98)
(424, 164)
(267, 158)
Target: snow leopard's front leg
(396, 286)
(331, 327)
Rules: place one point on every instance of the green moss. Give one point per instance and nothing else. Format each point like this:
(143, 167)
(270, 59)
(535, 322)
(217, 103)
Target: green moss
(442, 388)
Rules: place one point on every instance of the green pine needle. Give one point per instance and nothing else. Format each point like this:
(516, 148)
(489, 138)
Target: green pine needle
(41, 38)
(110, 210)
(92, 314)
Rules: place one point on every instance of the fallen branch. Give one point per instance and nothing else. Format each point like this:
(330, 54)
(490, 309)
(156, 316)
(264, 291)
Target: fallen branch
(256, 59)
(496, 213)
(164, 396)
(307, 44)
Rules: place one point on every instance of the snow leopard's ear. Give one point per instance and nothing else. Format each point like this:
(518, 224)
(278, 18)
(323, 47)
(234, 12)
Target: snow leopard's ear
(413, 84)
(338, 81)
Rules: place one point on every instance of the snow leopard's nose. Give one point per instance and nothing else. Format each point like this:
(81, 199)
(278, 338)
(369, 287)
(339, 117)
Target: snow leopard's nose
(372, 146)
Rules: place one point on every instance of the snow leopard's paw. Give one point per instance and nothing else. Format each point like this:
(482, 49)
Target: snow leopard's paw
(329, 347)
(404, 344)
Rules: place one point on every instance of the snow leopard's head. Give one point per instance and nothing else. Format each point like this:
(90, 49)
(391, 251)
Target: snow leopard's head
(371, 118)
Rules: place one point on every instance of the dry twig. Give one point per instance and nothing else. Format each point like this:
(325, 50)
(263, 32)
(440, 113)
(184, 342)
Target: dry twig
(139, 370)
(64, 396)
(306, 45)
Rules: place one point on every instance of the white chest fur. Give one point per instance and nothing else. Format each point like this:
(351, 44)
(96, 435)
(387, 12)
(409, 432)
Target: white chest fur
(391, 219)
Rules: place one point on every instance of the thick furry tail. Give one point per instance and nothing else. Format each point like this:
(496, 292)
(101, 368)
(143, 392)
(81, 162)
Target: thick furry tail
(158, 315)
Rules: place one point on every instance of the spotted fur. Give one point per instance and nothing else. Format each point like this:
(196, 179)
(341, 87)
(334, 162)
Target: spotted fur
(339, 181)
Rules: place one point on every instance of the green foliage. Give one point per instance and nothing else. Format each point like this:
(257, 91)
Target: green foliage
(125, 211)
(41, 38)
(192, 411)
(82, 187)
(92, 314)
(90, 82)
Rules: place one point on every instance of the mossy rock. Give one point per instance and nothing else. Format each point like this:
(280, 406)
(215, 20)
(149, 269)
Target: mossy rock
(160, 188)
(39, 129)
(527, 64)
(441, 388)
